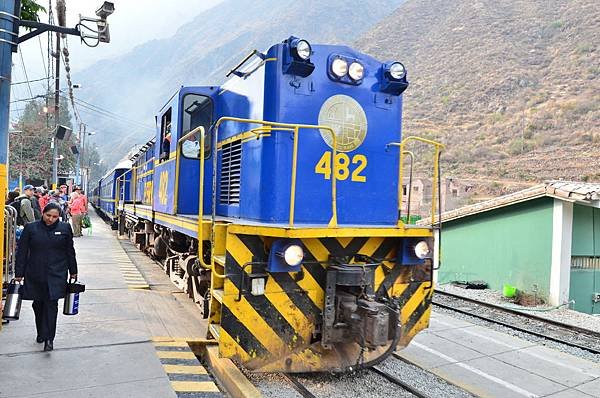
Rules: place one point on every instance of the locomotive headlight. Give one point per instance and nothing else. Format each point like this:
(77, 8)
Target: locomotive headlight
(303, 49)
(422, 250)
(356, 71)
(339, 67)
(293, 255)
(397, 71)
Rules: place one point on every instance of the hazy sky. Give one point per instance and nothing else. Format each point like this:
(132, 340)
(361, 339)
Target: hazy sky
(133, 22)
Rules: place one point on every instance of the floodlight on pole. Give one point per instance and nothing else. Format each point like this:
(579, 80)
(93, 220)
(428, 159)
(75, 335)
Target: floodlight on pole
(105, 9)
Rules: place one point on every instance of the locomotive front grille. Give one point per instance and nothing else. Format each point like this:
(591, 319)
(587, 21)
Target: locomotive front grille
(231, 162)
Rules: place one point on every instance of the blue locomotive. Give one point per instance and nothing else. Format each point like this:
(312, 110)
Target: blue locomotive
(275, 202)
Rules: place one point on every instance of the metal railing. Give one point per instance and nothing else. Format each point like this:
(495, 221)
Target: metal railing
(270, 127)
(436, 195)
(10, 243)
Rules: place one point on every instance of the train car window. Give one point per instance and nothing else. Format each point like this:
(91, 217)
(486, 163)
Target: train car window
(165, 136)
(197, 111)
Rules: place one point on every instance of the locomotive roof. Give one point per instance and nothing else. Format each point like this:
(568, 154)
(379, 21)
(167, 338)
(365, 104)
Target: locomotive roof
(123, 164)
(143, 149)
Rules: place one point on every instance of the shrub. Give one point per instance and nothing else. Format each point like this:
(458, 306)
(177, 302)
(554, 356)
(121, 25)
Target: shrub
(584, 48)
(557, 24)
(519, 145)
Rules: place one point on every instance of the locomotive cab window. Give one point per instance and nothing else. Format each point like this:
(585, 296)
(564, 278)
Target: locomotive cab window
(197, 111)
(165, 136)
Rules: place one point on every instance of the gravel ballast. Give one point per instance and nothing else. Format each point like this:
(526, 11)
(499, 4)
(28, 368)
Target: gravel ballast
(363, 383)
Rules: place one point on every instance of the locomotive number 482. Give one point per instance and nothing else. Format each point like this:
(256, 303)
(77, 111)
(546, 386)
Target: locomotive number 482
(344, 166)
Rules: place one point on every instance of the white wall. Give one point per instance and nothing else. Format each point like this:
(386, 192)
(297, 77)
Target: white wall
(560, 273)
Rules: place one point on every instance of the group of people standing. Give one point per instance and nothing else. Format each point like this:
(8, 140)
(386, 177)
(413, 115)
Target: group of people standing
(30, 203)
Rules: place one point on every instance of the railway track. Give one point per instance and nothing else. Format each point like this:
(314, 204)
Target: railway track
(299, 387)
(393, 379)
(556, 331)
(302, 390)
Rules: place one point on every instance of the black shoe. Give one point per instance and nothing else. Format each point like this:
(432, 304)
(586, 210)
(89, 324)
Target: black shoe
(48, 345)
(39, 339)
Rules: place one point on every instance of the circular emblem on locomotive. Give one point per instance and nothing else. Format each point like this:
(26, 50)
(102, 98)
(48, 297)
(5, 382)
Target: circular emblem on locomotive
(347, 119)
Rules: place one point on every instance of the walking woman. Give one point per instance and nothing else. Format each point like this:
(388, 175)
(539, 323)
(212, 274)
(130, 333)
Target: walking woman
(44, 255)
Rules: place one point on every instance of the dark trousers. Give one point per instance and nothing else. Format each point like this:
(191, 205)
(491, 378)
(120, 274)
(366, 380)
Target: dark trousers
(46, 312)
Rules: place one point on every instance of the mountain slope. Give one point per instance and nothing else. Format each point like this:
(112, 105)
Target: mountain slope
(138, 83)
(513, 87)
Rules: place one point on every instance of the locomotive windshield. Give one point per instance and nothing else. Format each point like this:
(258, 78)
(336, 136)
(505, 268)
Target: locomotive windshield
(197, 111)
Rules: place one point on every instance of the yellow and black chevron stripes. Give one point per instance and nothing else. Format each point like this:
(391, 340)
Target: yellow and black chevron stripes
(260, 329)
(131, 274)
(189, 379)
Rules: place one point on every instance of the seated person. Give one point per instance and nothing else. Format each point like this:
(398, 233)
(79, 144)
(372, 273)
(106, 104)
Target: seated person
(191, 148)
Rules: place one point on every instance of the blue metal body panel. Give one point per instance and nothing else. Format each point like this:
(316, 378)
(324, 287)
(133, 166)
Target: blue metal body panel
(267, 163)
(367, 188)
(107, 194)
(126, 186)
(189, 169)
(144, 165)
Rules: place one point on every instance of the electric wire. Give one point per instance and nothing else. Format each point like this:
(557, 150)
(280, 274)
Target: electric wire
(79, 100)
(25, 71)
(109, 114)
(122, 122)
(30, 81)
(42, 52)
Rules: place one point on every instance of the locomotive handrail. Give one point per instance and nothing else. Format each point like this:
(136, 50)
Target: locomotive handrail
(200, 227)
(436, 186)
(409, 190)
(277, 126)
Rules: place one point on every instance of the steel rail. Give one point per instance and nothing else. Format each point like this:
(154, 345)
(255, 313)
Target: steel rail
(397, 381)
(519, 328)
(299, 386)
(520, 313)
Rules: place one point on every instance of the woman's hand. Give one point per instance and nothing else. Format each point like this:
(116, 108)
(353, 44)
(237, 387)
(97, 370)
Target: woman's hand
(19, 279)
(73, 276)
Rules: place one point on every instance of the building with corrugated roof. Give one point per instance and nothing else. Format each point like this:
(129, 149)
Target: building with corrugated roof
(543, 240)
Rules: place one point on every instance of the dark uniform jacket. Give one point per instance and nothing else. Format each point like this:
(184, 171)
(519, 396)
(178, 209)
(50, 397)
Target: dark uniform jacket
(44, 255)
(35, 204)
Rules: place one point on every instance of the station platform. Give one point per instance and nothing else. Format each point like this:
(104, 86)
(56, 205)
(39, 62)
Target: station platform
(128, 340)
(489, 363)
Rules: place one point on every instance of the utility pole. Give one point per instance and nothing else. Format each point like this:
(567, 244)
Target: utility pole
(9, 33)
(60, 12)
(81, 142)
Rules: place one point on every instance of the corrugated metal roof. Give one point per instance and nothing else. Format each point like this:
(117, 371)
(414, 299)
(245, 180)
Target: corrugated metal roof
(581, 192)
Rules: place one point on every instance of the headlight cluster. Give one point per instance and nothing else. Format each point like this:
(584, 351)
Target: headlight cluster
(397, 71)
(342, 67)
(296, 57)
(303, 50)
(422, 250)
(339, 67)
(393, 78)
(293, 255)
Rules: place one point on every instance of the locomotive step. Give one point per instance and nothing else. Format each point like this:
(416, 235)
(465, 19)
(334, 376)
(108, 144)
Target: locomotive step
(220, 260)
(215, 330)
(218, 295)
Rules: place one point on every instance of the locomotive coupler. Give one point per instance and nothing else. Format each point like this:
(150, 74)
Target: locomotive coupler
(352, 311)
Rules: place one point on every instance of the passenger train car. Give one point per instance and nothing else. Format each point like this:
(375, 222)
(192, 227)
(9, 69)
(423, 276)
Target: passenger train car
(274, 201)
(104, 195)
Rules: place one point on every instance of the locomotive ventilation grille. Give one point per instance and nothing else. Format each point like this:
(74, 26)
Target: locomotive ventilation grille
(231, 162)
